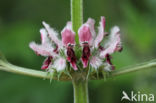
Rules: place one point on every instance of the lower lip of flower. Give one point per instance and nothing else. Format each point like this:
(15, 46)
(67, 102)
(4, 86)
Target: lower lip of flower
(71, 57)
(86, 54)
(46, 63)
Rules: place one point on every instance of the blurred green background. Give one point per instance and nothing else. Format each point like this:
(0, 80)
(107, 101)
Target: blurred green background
(20, 21)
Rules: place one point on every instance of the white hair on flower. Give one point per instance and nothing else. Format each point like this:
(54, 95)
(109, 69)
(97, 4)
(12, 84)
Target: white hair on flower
(59, 64)
(101, 32)
(113, 44)
(95, 62)
(91, 23)
(52, 34)
(44, 36)
(44, 50)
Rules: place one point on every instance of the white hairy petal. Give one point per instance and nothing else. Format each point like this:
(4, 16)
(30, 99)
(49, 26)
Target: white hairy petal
(91, 23)
(52, 34)
(95, 62)
(44, 36)
(101, 32)
(59, 64)
(44, 50)
(113, 44)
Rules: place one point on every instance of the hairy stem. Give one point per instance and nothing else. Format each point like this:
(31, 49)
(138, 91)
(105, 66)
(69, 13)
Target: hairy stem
(76, 16)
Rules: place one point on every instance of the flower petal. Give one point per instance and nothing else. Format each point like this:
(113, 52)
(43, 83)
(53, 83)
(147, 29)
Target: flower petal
(44, 36)
(44, 50)
(85, 55)
(91, 23)
(74, 65)
(95, 62)
(114, 43)
(46, 62)
(101, 32)
(85, 34)
(52, 34)
(68, 35)
(71, 57)
(108, 65)
(59, 64)
(108, 60)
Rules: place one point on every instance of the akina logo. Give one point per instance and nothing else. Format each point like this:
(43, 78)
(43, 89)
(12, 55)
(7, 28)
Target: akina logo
(140, 97)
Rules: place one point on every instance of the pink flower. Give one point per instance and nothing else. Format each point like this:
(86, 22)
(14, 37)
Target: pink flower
(68, 40)
(46, 48)
(92, 43)
(95, 52)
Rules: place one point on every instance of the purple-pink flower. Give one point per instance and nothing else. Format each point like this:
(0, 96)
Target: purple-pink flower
(95, 51)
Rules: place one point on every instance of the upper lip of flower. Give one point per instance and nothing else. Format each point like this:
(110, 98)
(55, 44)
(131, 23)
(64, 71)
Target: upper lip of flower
(86, 37)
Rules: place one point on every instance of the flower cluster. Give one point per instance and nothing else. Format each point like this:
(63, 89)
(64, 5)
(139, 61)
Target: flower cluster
(95, 51)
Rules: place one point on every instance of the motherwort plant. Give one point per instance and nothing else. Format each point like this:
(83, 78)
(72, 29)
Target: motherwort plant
(79, 55)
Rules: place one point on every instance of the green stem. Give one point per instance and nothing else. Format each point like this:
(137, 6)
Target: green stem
(142, 66)
(5, 66)
(76, 16)
(80, 91)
